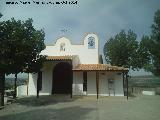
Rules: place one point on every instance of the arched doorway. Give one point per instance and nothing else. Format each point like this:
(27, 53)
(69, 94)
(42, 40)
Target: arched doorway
(62, 78)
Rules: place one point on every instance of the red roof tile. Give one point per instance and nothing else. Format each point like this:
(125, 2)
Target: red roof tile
(98, 67)
(60, 57)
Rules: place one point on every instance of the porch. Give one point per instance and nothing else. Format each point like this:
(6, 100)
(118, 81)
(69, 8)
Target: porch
(64, 75)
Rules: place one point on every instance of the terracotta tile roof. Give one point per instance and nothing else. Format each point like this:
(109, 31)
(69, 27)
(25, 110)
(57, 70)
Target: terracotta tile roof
(98, 67)
(67, 57)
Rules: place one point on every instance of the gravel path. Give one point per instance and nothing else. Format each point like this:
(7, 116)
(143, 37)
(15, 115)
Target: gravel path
(83, 108)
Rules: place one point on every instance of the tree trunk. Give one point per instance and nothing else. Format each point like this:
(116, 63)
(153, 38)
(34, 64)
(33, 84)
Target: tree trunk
(38, 85)
(15, 86)
(2, 88)
(127, 84)
(27, 83)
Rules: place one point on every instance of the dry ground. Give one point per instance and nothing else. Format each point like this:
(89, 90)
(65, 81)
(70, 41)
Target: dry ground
(83, 108)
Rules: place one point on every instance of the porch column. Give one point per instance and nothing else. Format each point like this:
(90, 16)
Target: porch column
(38, 85)
(127, 84)
(71, 94)
(2, 88)
(39, 80)
(27, 84)
(71, 78)
(97, 84)
(71, 84)
(123, 84)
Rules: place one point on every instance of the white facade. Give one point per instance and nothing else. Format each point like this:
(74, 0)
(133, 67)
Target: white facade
(83, 54)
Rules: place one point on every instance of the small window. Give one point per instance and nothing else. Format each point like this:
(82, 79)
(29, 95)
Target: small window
(91, 43)
(84, 81)
(62, 47)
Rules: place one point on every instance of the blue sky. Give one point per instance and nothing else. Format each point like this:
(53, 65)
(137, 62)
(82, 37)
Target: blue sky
(104, 17)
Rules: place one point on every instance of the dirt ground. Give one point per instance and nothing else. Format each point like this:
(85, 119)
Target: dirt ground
(83, 108)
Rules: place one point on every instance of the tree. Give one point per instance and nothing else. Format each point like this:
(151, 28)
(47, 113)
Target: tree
(121, 50)
(152, 44)
(22, 45)
(3, 67)
(144, 54)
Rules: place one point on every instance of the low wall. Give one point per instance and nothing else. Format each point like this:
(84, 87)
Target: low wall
(139, 90)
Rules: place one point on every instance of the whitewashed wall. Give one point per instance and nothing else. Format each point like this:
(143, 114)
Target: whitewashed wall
(86, 56)
(32, 85)
(75, 61)
(91, 83)
(47, 78)
(90, 57)
(119, 85)
(103, 83)
(46, 82)
(22, 90)
(77, 87)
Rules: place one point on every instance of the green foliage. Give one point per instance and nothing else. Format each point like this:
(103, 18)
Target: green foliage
(152, 44)
(124, 50)
(121, 50)
(144, 55)
(36, 65)
(20, 46)
(156, 27)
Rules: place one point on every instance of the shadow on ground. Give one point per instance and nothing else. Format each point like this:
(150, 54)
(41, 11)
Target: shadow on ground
(69, 113)
(45, 100)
